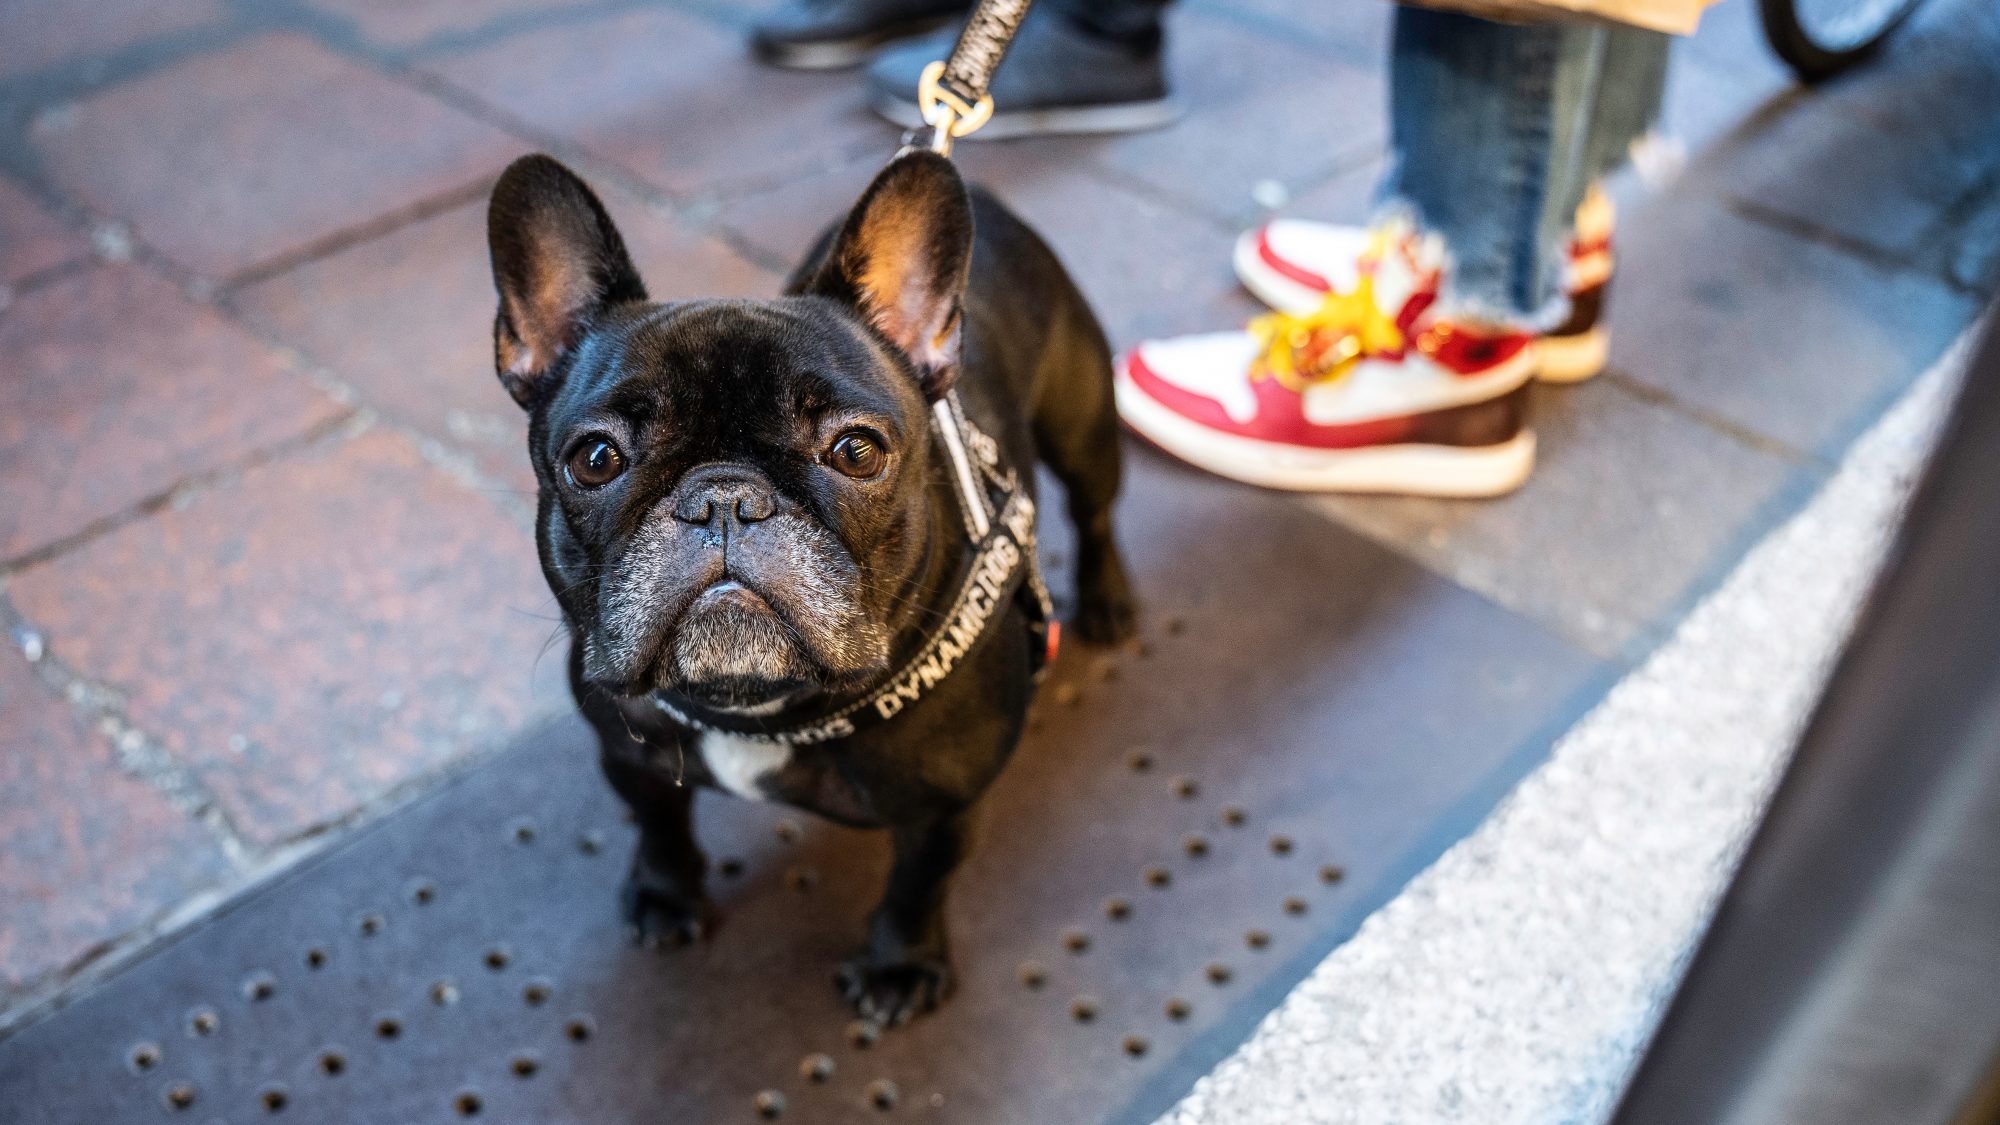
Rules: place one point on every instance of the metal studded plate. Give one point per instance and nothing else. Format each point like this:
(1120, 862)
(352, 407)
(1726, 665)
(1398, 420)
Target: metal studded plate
(1188, 829)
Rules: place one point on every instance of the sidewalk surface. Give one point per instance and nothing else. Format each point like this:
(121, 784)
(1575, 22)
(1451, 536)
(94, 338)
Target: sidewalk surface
(265, 547)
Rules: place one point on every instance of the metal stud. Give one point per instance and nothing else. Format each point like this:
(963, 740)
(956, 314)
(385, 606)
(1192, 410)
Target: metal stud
(816, 1068)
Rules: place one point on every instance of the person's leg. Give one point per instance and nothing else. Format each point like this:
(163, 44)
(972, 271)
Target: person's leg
(1629, 86)
(1078, 66)
(1497, 130)
(1629, 92)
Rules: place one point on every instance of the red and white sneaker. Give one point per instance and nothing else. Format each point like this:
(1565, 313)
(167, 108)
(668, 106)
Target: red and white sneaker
(1371, 390)
(1292, 264)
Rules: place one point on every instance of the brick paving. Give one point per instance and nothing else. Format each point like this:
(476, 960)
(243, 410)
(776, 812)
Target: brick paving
(88, 852)
(311, 634)
(264, 514)
(116, 360)
(225, 160)
(32, 239)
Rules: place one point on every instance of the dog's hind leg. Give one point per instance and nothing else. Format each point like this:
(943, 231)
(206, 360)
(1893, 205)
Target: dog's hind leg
(1076, 435)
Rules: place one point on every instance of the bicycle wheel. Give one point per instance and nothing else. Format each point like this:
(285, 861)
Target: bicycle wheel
(1820, 38)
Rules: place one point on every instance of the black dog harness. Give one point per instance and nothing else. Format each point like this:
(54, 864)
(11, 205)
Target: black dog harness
(999, 519)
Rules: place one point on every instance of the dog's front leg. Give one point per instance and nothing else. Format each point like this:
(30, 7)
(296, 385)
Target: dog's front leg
(663, 899)
(905, 969)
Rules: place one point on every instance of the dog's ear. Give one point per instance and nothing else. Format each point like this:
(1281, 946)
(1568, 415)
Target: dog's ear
(558, 263)
(902, 259)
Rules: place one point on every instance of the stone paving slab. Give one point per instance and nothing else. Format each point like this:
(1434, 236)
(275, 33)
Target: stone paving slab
(1778, 335)
(781, 222)
(1731, 35)
(1631, 507)
(231, 159)
(1936, 74)
(117, 388)
(1323, 115)
(1860, 181)
(33, 36)
(1213, 60)
(1357, 29)
(87, 852)
(1149, 268)
(32, 239)
(407, 320)
(671, 97)
(1346, 197)
(1881, 159)
(307, 638)
(1974, 256)
(403, 24)
(1708, 98)
(1291, 119)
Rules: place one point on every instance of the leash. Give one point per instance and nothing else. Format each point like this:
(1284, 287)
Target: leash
(953, 90)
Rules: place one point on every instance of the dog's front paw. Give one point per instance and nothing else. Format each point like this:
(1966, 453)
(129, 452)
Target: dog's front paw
(658, 918)
(893, 992)
(1106, 611)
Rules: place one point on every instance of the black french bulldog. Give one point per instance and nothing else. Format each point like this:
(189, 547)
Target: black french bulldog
(751, 522)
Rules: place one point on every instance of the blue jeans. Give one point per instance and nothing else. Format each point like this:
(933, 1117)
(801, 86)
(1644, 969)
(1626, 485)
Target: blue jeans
(1495, 132)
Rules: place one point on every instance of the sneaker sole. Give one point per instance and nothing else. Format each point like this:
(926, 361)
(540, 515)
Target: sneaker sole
(841, 54)
(1415, 470)
(1558, 359)
(1572, 359)
(1125, 117)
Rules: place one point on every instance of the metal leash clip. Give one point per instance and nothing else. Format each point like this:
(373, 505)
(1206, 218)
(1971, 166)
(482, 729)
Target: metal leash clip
(952, 92)
(948, 115)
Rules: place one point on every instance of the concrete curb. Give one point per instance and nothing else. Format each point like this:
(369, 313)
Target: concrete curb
(1517, 979)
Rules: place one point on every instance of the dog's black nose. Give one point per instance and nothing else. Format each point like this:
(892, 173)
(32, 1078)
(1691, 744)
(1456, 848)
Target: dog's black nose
(725, 500)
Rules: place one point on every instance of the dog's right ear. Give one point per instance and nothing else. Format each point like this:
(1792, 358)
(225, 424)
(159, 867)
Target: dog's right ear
(558, 263)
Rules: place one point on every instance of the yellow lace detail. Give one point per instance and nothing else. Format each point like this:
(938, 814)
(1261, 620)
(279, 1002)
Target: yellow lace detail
(1326, 343)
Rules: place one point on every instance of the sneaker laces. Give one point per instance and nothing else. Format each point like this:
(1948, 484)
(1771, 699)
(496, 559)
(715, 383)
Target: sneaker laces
(1327, 343)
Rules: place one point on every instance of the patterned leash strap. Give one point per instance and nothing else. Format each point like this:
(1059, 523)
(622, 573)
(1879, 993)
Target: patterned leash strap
(953, 92)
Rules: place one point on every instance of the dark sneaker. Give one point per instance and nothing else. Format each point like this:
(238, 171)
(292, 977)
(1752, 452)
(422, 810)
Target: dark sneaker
(1057, 79)
(833, 34)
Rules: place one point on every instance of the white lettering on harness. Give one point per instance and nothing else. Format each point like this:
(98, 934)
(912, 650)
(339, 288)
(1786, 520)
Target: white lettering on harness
(982, 597)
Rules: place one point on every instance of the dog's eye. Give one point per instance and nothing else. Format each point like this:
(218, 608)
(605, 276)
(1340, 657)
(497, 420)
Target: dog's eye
(858, 454)
(594, 463)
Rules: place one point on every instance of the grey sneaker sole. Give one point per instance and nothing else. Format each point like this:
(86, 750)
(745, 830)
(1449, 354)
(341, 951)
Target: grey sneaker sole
(841, 54)
(1123, 117)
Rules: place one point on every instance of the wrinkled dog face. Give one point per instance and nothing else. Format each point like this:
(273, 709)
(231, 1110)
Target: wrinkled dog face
(734, 494)
(734, 488)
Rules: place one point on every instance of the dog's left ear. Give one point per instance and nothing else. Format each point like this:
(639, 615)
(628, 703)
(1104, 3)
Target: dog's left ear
(902, 259)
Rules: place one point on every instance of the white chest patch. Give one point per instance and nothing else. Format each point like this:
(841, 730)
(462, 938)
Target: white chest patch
(739, 763)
